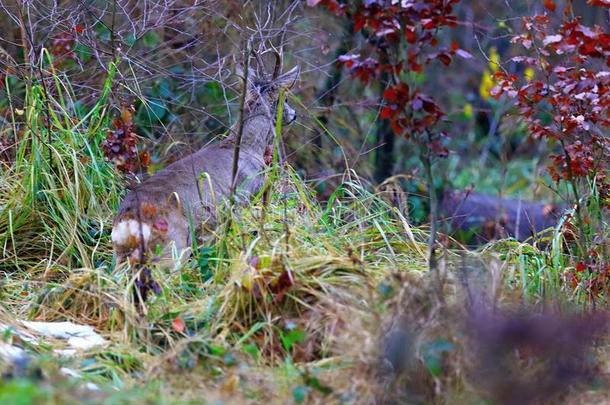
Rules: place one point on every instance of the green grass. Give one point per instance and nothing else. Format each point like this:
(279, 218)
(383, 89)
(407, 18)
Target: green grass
(56, 215)
(59, 192)
(288, 297)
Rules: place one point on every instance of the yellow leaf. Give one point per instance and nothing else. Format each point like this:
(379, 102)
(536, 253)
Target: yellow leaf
(529, 74)
(494, 60)
(468, 110)
(487, 83)
(247, 280)
(230, 385)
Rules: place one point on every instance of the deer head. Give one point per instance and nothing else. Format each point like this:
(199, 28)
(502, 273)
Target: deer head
(263, 91)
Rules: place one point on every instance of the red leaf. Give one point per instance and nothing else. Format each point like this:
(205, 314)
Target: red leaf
(416, 67)
(359, 22)
(391, 95)
(445, 58)
(144, 158)
(282, 284)
(589, 49)
(349, 60)
(396, 127)
(79, 28)
(439, 149)
(410, 35)
(387, 112)
(384, 32)
(549, 5)
(178, 325)
(600, 3)
(428, 23)
(551, 39)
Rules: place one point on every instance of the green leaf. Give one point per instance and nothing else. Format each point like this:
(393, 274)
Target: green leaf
(177, 70)
(314, 383)
(156, 109)
(385, 290)
(291, 338)
(102, 32)
(216, 350)
(300, 393)
(130, 39)
(433, 354)
(229, 359)
(213, 90)
(165, 89)
(83, 52)
(151, 39)
(22, 392)
(252, 350)
(203, 263)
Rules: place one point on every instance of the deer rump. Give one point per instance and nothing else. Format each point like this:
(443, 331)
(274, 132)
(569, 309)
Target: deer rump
(156, 218)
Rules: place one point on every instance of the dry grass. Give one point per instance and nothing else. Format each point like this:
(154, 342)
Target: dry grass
(291, 301)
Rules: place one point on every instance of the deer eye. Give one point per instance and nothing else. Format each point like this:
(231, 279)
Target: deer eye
(263, 87)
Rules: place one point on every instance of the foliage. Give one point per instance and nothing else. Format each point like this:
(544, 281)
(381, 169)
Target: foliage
(566, 71)
(302, 296)
(403, 38)
(59, 188)
(120, 145)
(567, 101)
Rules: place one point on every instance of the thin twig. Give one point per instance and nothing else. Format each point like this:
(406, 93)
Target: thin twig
(240, 131)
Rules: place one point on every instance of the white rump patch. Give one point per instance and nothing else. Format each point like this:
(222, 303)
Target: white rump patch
(124, 230)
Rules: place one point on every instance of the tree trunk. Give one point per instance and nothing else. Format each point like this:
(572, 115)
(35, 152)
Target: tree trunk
(384, 154)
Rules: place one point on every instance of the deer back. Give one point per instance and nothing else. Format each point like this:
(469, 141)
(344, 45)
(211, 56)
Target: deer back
(158, 215)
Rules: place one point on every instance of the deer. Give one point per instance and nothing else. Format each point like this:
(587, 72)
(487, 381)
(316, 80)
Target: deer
(157, 217)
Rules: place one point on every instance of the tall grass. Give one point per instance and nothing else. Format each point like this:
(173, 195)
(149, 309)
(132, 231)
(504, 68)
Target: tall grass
(61, 196)
(261, 285)
(59, 191)
(271, 289)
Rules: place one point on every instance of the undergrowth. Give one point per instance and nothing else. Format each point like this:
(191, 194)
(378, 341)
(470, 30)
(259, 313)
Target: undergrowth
(286, 302)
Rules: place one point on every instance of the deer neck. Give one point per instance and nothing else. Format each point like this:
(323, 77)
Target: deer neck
(257, 132)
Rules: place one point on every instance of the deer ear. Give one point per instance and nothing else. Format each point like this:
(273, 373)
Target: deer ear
(289, 78)
(239, 70)
(173, 200)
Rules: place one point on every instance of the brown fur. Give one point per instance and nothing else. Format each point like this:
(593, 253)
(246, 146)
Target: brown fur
(180, 194)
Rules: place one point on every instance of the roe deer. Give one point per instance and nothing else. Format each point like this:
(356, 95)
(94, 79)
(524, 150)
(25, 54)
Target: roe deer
(159, 211)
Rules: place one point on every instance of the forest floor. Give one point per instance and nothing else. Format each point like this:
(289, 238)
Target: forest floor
(295, 302)
(291, 301)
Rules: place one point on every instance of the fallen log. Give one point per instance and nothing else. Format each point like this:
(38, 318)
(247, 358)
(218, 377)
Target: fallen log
(476, 218)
